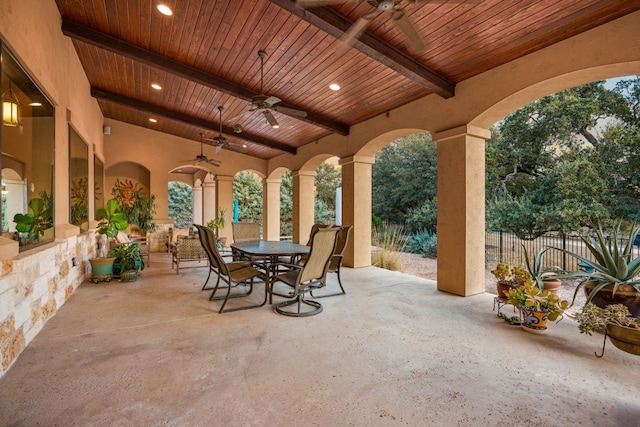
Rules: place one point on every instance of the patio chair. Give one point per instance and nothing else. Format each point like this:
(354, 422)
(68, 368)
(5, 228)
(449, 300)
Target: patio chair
(187, 248)
(243, 231)
(336, 260)
(305, 278)
(231, 273)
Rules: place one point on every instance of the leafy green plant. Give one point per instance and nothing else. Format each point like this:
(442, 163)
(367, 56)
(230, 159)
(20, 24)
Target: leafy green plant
(133, 202)
(423, 243)
(530, 295)
(219, 221)
(613, 264)
(535, 269)
(513, 276)
(594, 319)
(38, 221)
(112, 220)
(128, 256)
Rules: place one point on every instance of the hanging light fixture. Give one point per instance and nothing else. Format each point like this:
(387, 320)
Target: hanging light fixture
(10, 108)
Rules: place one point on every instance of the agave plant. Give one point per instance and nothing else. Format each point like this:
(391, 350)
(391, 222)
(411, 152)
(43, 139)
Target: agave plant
(613, 264)
(534, 267)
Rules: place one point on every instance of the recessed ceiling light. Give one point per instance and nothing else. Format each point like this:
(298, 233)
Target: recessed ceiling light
(156, 86)
(275, 126)
(244, 145)
(35, 104)
(153, 120)
(334, 86)
(165, 10)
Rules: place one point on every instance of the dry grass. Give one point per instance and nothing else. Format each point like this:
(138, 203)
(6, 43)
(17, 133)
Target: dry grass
(388, 241)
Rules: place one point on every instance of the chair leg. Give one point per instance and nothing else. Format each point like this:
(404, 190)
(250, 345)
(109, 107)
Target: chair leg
(332, 294)
(204, 287)
(299, 300)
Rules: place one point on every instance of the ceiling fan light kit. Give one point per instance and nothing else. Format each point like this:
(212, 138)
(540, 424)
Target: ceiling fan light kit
(266, 104)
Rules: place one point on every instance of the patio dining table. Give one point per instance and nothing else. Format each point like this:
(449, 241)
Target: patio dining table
(264, 253)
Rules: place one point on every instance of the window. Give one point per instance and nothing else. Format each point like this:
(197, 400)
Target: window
(79, 181)
(98, 184)
(27, 161)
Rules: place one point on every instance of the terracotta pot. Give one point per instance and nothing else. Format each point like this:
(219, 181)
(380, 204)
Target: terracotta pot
(625, 338)
(552, 285)
(502, 287)
(532, 320)
(625, 294)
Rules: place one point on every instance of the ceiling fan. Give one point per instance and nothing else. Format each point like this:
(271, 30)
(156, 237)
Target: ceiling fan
(201, 158)
(266, 104)
(221, 142)
(397, 13)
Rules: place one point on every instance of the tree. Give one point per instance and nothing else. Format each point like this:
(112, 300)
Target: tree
(565, 161)
(180, 204)
(328, 178)
(247, 190)
(404, 179)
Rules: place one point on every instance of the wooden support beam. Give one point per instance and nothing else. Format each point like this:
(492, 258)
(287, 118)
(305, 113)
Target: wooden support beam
(184, 118)
(335, 24)
(104, 41)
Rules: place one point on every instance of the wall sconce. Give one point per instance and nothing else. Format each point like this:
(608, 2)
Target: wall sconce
(10, 108)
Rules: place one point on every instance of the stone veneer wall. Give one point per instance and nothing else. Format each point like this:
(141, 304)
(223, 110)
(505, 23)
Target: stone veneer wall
(33, 287)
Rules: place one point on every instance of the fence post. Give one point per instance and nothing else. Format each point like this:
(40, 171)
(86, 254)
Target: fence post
(564, 254)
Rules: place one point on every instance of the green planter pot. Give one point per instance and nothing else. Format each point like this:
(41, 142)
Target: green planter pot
(129, 276)
(101, 269)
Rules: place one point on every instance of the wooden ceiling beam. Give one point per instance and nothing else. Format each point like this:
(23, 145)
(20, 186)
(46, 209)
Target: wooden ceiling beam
(335, 24)
(185, 118)
(107, 42)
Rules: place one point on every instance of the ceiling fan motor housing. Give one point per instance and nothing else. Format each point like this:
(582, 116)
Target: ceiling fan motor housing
(384, 5)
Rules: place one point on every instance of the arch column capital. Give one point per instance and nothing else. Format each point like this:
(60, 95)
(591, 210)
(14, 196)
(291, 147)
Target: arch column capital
(221, 178)
(464, 130)
(357, 159)
(298, 173)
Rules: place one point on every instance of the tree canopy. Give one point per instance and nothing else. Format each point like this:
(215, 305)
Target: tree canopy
(566, 161)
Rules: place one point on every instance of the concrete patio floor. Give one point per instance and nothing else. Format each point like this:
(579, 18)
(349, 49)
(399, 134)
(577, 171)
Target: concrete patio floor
(393, 351)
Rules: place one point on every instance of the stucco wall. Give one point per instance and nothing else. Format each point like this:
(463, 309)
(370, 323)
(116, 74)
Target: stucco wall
(36, 283)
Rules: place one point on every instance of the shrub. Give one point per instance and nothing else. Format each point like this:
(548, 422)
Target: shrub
(423, 218)
(423, 243)
(389, 240)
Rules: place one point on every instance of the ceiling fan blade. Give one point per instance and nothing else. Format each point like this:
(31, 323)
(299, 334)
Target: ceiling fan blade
(406, 27)
(213, 162)
(316, 3)
(240, 148)
(272, 100)
(290, 111)
(272, 120)
(356, 30)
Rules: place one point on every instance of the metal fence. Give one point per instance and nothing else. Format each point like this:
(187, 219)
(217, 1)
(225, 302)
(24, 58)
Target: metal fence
(507, 248)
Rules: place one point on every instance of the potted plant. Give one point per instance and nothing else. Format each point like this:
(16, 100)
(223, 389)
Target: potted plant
(133, 202)
(545, 278)
(34, 224)
(536, 306)
(612, 277)
(129, 260)
(216, 224)
(112, 222)
(615, 322)
(508, 278)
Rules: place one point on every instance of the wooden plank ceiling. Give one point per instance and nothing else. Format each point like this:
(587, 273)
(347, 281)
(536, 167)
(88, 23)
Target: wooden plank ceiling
(206, 55)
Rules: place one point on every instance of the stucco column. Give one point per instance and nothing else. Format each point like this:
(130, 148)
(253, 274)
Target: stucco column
(303, 204)
(271, 209)
(197, 205)
(224, 200)
(461, 204)
(208, 201)
(356, 209)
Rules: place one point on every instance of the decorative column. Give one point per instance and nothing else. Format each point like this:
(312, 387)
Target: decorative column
(197, 205)
(208, 201)
(271, 209)
(224, 200)
(461, 208)
(303, 204)
(356, 209)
